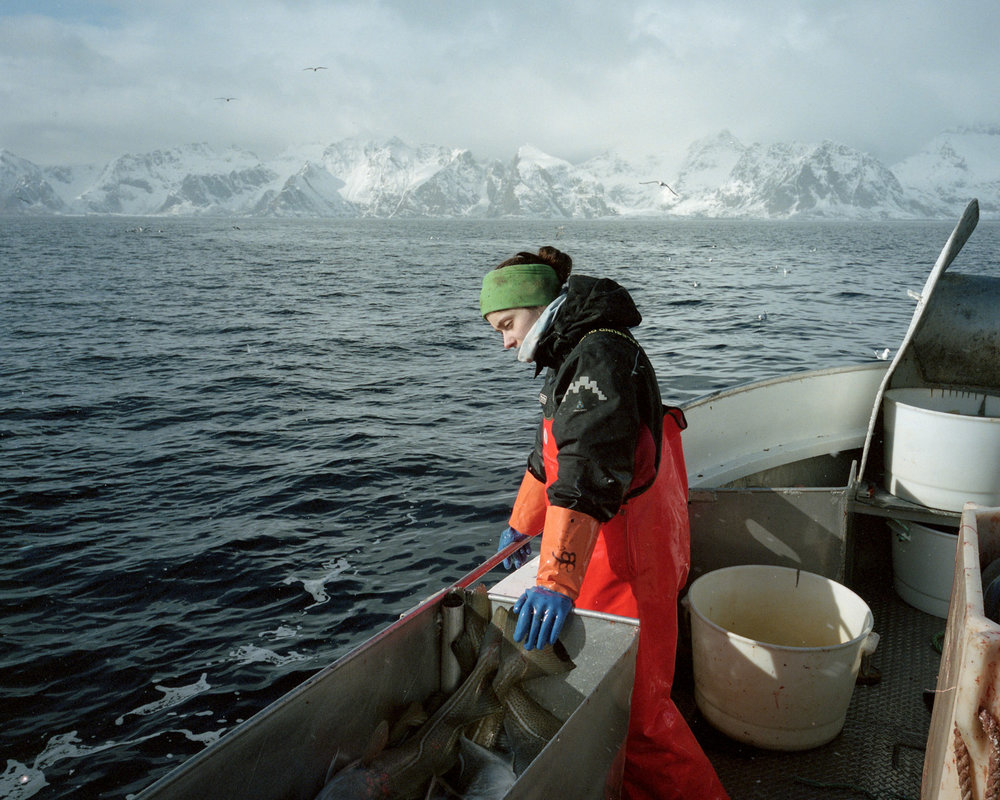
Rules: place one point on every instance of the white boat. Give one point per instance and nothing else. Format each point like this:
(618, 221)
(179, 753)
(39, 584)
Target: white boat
(790, 472)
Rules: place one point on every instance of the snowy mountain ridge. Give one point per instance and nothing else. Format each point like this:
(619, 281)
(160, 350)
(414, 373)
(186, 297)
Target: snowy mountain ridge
(718, 177)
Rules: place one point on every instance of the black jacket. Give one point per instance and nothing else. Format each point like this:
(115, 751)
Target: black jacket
(600, 392)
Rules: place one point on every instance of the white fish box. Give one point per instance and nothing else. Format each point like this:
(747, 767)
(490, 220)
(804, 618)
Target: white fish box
(967, 701)
(283, 752)
(942, 447)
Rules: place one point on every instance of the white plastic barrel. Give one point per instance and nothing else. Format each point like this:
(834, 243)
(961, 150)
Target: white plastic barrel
(776, 653)
(942, 447)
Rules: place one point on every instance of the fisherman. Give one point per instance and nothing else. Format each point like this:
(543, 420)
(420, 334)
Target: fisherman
(606, 489)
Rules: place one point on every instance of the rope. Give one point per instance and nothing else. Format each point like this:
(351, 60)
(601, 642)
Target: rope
(989, 723)
(963, 766)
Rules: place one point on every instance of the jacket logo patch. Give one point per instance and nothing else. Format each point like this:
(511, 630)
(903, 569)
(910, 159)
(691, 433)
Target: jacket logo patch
(584, 383)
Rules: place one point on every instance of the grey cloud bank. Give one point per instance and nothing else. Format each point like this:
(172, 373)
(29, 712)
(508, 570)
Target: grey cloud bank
(82, 82)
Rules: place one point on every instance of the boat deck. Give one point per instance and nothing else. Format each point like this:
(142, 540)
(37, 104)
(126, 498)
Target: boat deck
(879, 754)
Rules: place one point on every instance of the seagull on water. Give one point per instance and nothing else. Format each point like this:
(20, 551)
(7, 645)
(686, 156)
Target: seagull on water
(661, 183)
(883, 354)
(314, 69)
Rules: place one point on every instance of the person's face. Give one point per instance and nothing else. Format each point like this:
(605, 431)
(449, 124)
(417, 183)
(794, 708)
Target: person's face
(514, 323)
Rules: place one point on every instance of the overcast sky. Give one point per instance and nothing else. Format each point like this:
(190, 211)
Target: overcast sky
(87, 81)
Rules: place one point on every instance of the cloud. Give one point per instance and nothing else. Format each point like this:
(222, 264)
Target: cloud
(86, 81)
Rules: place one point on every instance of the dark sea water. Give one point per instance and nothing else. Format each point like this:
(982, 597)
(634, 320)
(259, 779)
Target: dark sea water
(230, 452)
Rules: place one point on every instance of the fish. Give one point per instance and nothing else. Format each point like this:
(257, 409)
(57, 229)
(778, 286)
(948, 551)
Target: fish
(400, 772)
(488, 693)
(519, 665)
(480, 774)
(487, 731)
(476, 619)
(528, 726)
(412, 718)
(491, 775)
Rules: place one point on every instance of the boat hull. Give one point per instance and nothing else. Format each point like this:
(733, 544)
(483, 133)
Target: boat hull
(771, 469)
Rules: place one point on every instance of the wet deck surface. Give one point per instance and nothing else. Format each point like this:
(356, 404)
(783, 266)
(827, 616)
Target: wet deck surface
(879, 754)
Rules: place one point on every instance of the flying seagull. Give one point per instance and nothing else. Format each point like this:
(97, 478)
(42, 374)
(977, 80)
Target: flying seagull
(227, 99)
(661, 183)
(304, 69)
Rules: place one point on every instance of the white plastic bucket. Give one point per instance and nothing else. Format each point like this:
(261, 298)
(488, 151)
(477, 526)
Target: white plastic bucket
(942, 447)
(776, 653)
(923, 565)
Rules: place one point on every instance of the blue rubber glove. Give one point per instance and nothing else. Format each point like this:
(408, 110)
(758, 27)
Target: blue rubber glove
(541, 614)
(519, 557)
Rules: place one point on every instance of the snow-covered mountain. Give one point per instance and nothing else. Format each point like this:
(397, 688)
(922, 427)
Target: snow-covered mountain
(24, 188)
(194, 179)
(717, 177)
(386, 179)
(708, 164)
(955, 166)
(823, 180)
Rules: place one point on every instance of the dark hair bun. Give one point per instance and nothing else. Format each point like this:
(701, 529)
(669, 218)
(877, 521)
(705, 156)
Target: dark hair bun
(560, 262)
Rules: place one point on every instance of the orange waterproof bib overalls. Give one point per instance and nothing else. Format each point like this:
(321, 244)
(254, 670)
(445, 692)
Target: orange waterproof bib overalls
(638, 567)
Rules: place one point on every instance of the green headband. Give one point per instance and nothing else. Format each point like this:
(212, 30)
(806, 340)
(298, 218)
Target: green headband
(519, 286)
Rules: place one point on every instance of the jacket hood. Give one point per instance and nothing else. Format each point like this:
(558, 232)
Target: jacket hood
(591, 303)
